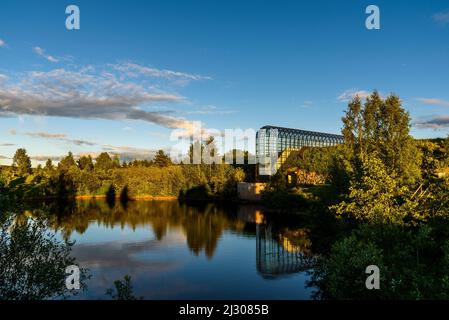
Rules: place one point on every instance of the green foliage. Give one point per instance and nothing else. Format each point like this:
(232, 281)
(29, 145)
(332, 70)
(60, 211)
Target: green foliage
(33, 262)
(199, 193)
(285, 201)
(382, 126)
(22, 162)
(123, 290)
(317, 159)
(104, 162)
(67, 163)
(413, 263)
(161, 159)
(239, 175)
(342, 274)
(377, 197)
(86, 163)
(49, 166)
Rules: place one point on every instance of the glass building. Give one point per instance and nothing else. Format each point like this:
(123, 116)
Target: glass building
(274, 145)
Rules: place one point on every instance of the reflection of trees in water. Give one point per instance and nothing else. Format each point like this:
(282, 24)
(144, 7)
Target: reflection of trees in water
(202, 226)
(32, 261)
(281, 251)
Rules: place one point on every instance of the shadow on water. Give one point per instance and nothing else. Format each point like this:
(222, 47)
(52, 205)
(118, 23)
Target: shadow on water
(124, 197)
(110, 197)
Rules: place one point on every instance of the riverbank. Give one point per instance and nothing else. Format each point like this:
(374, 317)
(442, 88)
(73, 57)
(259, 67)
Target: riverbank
(134, 198)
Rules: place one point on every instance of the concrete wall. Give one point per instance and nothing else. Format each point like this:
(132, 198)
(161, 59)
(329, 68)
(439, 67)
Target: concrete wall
(250, 191)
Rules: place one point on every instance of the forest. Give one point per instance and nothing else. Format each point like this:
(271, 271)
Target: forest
(107, 176)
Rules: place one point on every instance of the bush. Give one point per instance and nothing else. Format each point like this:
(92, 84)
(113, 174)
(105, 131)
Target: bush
(412, 262)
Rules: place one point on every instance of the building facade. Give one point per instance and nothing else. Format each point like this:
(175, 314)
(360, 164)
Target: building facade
(274, 145)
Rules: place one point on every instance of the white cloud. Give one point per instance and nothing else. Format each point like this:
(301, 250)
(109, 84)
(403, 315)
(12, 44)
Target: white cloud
(86, 94)
(41, 52)
(441, 17)
(211, 110)
(50, 135)
(2, 43)
(45, 135)
(437, 122)
(135, 70)
(45, 158)
(350, 94)
(434, 101)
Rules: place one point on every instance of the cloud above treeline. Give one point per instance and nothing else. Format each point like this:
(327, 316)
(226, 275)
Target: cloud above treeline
(352, 93)
(49, 135)
(434, 101)
(110, 93)
(436, 122)
(134, 70)
(125, 153)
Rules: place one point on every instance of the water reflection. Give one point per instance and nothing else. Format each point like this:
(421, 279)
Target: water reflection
(282, 252)
(202, 226)
(32, 262)
(148, 240)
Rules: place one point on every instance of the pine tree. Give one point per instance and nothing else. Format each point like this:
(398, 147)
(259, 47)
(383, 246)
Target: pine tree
(103, 162)
(86, 163)
(66, 163)
(161, 159)
(22, 162)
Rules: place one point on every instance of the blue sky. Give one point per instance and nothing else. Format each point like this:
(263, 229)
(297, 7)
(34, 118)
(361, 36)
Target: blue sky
(137, 70)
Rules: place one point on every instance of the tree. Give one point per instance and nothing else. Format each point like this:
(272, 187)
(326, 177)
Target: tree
(116, 161)
(377, 196)
(49, 165)
(195, 153)
(22, 162)
(67, 162)
(353, 125)
(86, 163)
(382, 127)
(446, 151)
(161, 159)
(103, 162)
(210, 153)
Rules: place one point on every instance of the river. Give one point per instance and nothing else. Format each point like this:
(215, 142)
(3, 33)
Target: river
(179, 251)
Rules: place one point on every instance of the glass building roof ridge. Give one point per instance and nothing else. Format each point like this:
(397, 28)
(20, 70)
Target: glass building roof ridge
(300, 131)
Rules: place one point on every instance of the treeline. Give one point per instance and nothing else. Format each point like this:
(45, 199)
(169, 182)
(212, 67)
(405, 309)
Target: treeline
(105, 175)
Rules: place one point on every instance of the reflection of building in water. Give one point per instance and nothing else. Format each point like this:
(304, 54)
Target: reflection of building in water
(281, 254)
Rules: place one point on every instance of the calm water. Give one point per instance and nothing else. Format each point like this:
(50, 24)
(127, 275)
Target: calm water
(174, 251)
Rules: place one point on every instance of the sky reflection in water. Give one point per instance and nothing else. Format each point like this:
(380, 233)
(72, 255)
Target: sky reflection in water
(175, 251)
